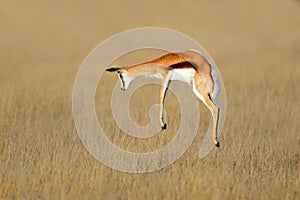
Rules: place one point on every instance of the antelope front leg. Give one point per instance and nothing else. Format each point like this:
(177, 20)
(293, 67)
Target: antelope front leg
(162, 95)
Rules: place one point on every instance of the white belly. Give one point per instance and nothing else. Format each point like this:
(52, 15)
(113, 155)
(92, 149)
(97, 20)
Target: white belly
(157, 75)
(183, 75)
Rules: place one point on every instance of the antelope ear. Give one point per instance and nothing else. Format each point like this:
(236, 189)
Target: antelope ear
(114, 69)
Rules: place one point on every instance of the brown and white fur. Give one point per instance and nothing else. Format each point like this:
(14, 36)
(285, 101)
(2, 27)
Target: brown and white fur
(188, 66)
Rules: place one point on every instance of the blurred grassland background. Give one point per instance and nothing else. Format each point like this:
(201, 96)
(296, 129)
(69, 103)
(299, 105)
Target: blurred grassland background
(256, 45)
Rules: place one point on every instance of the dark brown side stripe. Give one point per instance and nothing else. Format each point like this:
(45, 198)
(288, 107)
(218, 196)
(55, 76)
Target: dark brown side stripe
(184, 65)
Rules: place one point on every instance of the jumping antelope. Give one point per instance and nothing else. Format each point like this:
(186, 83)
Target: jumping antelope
(188, 66)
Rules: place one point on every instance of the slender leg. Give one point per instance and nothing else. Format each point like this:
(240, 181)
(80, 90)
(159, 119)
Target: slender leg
(163, 90)
(204, 96)
(215, 113)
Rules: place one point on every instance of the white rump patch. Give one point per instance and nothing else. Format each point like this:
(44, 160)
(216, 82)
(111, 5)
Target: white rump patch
(214, 75)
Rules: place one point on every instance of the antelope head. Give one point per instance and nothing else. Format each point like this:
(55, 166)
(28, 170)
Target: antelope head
(125, 80)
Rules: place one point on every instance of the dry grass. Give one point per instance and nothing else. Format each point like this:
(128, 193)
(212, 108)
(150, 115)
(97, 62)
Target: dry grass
(42, 46)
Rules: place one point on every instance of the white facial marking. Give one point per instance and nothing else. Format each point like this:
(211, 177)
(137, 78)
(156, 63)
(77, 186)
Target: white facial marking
(125, 81)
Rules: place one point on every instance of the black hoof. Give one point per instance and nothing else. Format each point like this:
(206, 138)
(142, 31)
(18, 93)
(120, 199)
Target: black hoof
(218, 144)
(164, 127)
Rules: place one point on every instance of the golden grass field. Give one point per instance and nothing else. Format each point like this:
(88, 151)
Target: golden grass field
(256, 45)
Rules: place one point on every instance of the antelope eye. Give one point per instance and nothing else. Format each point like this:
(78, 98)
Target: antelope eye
(121, 76)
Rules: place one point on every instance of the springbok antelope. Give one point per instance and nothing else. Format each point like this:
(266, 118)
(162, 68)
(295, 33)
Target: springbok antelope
(188, 66)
